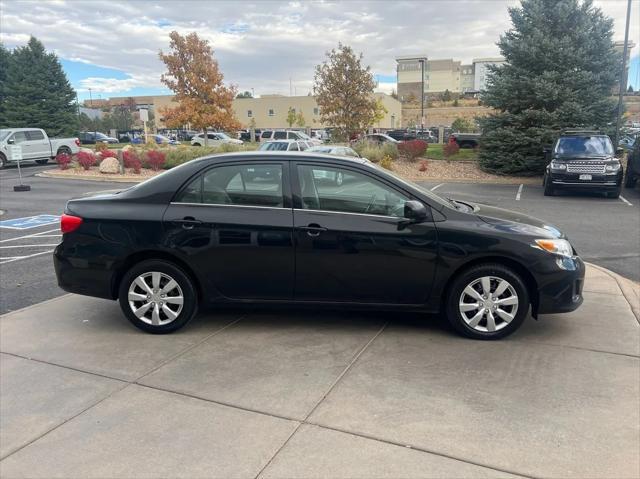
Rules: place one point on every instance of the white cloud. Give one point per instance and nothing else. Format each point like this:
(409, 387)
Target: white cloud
(262, 45)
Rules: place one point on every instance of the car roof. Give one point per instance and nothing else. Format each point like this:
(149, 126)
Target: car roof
(22, 129)
(280, 155)
(283, 140)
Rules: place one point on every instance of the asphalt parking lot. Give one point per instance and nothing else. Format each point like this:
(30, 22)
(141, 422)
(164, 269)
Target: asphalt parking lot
(604, 231)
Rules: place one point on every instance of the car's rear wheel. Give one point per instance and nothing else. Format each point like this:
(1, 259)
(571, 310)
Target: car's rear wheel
(196, 144)
(43, 161)
(157, 296)
(487, 301)
(548, 187)
(3, 161)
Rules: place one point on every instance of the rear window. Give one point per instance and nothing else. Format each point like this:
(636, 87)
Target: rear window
(584, 146)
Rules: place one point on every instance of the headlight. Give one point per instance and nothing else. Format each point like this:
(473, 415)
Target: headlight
(613, 167)
(558, 166)
(555, 246)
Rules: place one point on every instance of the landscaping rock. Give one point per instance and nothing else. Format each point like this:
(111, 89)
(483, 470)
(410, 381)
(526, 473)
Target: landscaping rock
(110, 166)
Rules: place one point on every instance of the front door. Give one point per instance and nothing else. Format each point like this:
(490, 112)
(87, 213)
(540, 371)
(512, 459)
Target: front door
(352, 243)
(234, 222)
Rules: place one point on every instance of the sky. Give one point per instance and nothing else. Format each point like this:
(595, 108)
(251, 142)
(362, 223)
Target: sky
(111, 47)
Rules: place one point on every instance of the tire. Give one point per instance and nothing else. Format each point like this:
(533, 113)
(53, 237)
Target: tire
(196, 144)
(615, 193)
(629, 180)
(64, 150)
(3, 161)
(155, 319)
(507, 317)
(548, 187)
(43, 162)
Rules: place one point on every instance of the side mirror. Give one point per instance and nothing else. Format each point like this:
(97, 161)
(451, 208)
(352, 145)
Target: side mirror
(619, 152)
(415, 211)
(11, 141)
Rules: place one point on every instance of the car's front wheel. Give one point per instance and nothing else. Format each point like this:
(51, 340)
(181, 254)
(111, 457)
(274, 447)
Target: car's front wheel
(157, 296)
(487, 301)
(629, 180)
(548, 186)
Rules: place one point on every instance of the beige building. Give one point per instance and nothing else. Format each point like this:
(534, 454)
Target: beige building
(269, 111)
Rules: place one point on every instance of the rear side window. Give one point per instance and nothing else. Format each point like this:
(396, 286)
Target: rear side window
(35, 135)
(246, 185)
(280, 135)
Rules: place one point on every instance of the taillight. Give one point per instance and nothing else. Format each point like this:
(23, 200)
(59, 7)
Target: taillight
(77, 141)
(69, 223)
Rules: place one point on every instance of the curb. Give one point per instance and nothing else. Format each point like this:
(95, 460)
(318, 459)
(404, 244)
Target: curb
(44, 174)
(630, 289)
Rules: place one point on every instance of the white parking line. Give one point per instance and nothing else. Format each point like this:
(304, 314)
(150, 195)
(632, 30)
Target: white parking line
(27, 246)
(436, 187)
(16, 258)
(519, 192)
(30, 236)
(624, 200)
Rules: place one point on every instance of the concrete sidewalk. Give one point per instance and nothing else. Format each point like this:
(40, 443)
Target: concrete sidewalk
(291, 394)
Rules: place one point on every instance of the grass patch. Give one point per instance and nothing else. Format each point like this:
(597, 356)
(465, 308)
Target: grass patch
(434, 152)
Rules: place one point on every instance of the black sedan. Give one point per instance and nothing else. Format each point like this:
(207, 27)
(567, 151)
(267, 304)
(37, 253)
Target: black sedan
(270, 227)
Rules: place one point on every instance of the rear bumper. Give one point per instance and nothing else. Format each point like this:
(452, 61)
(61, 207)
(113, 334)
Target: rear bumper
(563, 293)
(80, 276)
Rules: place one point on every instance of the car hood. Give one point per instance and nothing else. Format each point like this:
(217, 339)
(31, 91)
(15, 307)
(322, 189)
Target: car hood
(515, 222)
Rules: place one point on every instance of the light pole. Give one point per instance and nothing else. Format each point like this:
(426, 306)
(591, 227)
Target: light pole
(623, 72)
(422, 95)
(95, 132)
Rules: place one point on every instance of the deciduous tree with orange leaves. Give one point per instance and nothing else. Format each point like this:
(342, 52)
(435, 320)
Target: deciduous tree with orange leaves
(194, 76)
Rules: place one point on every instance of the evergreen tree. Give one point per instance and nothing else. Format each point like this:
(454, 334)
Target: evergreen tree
(559, 72)
(5, 60)
(36, 92)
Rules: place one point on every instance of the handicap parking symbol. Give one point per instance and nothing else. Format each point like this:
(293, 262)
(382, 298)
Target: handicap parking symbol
(29, 222)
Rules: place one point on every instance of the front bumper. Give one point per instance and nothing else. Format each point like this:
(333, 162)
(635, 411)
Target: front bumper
(601, 182)
(563, 292)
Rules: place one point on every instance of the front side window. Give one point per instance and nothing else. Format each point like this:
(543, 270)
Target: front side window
(339, 189)
(19, 137)
(246, 185)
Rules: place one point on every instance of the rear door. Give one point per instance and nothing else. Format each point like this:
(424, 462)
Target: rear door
(38, 144)
(234, 221)
(352, 244)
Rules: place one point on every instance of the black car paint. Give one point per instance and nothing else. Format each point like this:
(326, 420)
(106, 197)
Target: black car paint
(271, 255)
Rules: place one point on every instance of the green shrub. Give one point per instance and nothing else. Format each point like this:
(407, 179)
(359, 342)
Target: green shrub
(376, 153)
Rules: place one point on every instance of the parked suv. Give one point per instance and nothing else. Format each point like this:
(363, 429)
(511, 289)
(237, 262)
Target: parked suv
(583, 160)
(270, 135)
(633, 166)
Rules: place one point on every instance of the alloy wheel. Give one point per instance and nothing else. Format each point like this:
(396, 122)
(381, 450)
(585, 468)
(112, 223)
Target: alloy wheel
(488, 304)
(155, 298)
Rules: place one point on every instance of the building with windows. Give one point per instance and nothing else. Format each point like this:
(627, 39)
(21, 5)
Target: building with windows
(267, 111)
(440, 76)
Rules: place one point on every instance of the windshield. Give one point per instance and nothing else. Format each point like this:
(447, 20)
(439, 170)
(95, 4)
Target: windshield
(320, 149)
(222, 136)
(101, 135)
(584, 146)
(303, 135)
(4, 134)
(274, 146)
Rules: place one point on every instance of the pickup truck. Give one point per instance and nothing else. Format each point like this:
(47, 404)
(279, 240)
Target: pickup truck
(465, 140)
(36, 145)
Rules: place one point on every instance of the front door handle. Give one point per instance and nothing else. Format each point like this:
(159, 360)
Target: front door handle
(188, 222)
(313, 229)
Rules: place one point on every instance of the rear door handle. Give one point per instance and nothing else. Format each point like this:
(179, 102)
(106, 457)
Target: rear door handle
(188, 222)
(313, 229)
